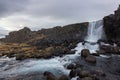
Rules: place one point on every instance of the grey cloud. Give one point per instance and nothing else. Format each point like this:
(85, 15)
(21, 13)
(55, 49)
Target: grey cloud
(9, 7)
(47, 13)
(70, 9)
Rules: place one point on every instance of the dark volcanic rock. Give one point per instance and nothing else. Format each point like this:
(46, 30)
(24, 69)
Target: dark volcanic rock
(112, 26)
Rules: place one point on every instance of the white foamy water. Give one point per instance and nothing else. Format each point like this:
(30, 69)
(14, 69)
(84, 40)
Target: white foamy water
(95, 32)
(56, 65)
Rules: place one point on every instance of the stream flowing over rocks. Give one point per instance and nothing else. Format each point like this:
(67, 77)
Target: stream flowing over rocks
(82, 51)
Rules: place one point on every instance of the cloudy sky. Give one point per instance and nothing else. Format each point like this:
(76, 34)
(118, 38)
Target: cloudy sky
(37, 14)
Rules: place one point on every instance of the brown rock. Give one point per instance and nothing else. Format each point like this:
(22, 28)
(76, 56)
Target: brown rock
(85, 52)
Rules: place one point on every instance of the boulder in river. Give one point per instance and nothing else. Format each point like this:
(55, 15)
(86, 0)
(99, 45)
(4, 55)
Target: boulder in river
(85, 53)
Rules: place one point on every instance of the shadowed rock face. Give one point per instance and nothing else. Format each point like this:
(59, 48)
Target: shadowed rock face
(112, 25)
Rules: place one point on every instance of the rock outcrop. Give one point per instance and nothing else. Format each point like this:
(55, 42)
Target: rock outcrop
(112, 26)
(18, 36)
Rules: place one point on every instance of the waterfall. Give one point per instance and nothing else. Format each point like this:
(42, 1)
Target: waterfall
(95, 33)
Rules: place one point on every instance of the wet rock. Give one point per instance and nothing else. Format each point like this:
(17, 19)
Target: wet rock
(85, 52)
(91, 59)
(49, 76)
(64, 77)
(72, 73)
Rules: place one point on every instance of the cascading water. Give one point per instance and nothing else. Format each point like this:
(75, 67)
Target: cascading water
(55, 65)
(95, 33)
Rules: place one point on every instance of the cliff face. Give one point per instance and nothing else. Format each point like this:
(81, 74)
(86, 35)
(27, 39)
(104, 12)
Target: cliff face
(47, 37)
(56, 34)
(112, 26)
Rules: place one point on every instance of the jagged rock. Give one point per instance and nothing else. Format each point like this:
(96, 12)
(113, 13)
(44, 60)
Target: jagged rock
(64, 77)
(85, 52)
(91, 59)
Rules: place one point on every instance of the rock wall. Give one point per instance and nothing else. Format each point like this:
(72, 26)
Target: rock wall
(112, 26)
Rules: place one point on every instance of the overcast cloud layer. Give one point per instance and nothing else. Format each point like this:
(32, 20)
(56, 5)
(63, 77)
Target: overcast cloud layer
(37, 14)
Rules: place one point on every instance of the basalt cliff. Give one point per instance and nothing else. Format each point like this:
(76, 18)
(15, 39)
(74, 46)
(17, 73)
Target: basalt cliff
(112, 26)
